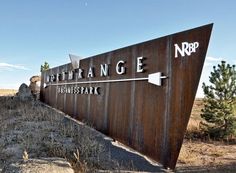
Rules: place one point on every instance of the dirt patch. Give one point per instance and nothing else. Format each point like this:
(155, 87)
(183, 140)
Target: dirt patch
(43, 165)
(204, 156)
(201, 153)
(207, 156)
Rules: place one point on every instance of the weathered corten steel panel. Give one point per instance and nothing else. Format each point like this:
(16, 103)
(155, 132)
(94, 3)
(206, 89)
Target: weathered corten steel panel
(150, 118)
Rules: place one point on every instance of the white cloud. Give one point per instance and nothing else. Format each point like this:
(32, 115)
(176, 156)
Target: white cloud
(10, 67)
(213, 59)
(208, 64)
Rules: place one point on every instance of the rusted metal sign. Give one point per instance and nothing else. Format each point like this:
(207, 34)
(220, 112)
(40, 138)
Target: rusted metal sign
(141, 95)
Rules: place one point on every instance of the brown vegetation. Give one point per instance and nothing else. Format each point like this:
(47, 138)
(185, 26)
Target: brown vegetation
(200, 154)
(7, 92)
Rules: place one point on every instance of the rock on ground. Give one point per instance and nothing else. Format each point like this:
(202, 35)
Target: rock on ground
(35, 79)
(35, 86)
(43, 165)
(24, 93)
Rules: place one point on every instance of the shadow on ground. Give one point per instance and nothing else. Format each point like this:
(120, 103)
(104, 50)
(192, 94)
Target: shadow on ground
(230, 168)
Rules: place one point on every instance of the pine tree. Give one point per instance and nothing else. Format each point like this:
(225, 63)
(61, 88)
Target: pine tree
(44, 67)
(219, 102)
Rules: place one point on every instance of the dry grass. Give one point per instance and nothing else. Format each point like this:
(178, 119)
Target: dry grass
(195, 117)
(212, 156)
(44, 132)
(8, 92)
(193, 129)
(199, 154)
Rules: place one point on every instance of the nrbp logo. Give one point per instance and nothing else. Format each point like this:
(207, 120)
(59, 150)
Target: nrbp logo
(186, 49)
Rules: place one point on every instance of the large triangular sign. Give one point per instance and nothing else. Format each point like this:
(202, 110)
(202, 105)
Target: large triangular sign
(141, 95)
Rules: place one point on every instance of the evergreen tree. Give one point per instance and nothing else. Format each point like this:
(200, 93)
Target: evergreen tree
(44, 67)
(219, 102)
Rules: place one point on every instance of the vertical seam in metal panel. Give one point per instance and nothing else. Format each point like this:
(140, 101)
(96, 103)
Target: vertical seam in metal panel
(64, 97)
(167, 112)
(89, 98)
(56, 89)
(75, 98)
(105, 123)
(50, 88)
(42, 86)
(132, 105)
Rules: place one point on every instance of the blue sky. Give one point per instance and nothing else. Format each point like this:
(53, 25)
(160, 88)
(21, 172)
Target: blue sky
(32, 32)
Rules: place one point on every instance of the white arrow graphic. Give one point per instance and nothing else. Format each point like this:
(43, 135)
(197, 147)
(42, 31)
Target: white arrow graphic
(154, 78)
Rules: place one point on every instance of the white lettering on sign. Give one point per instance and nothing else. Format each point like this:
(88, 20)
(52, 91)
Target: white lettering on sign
(70, 75)
(139, 65)
(63, 75)
(78, 90)
(48, 79)
(104, 70)
(154, 78)
(90, 72)
(52, 78)
(80, 73)
(120, 69)
(186, 49)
